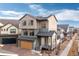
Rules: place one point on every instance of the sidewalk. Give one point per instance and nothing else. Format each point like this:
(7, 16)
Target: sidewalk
(69, 45)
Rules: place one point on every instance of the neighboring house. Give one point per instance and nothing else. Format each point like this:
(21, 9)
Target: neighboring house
(63, 27)
(62, 31)
(37, 32)
(8, 31)
(71, 29)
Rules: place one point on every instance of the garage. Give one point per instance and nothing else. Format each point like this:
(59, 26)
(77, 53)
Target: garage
(26, 44)
(8, 40)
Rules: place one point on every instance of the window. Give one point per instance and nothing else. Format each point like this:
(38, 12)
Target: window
(31, 22)
(24, 23)
(4, 29)
(44, 25)
(32, 33)
(25, 33)
(12, 30)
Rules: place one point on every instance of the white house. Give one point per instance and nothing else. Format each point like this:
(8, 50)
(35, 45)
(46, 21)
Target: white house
(8, 31)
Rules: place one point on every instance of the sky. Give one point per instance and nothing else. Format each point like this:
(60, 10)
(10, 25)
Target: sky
(66, 13)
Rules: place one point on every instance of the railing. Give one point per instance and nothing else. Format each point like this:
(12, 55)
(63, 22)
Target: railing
(68, 47)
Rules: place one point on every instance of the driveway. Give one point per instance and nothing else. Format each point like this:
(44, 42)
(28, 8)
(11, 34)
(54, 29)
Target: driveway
(16, 50)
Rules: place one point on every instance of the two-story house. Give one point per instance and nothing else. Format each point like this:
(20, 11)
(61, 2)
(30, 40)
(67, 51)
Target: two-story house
(37, 32)
(8, 31)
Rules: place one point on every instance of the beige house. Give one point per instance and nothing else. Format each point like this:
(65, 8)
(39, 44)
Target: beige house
(37, 32)
(8, 30)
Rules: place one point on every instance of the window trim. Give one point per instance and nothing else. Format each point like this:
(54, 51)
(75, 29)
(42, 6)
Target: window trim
(12, 31)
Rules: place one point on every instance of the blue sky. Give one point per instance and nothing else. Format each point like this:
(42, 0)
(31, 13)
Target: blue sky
(66, 13)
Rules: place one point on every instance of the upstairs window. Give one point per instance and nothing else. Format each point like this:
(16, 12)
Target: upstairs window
(44, 25)
(24, 23)
(31, 22)
(12, 30)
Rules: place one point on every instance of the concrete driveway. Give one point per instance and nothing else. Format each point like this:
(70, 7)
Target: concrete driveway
(19, 51)
(6, 53)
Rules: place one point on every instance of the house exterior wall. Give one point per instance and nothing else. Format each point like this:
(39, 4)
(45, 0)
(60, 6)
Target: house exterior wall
(34, 44)
(13, 27)
(7, 29)
(27, 26)
(52, 23)
(4, 29)
(54, 40)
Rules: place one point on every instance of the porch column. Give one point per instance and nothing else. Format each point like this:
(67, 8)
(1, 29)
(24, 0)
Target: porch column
(49, 41)
(42, 41)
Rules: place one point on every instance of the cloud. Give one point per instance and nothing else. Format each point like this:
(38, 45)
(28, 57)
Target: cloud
(39, 10)
(4, 14)
(62, 14)
(67, 14)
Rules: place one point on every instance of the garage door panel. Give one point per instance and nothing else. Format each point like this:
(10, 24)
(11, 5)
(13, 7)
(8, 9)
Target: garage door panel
(26, 44)
(8, 40)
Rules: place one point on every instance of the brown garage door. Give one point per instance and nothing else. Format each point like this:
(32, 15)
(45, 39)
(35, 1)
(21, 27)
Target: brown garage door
(26, 44)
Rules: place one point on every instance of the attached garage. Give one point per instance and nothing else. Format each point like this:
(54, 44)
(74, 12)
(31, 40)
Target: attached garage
(26, 44)
(8, 40)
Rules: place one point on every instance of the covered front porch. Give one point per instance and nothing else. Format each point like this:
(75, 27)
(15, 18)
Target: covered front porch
(46, 41)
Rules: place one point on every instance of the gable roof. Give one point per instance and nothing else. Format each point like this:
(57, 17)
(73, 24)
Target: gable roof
(39, 17)
(10, 21)
(26, 15)
(63, 26)
(11, 26)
